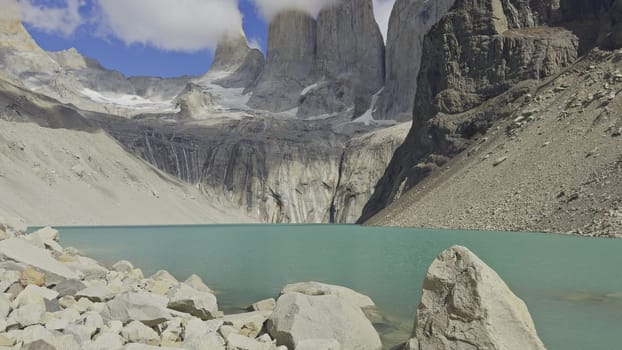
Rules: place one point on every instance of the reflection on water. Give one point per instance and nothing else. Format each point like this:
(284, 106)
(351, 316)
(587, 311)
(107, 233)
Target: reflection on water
(571, 285)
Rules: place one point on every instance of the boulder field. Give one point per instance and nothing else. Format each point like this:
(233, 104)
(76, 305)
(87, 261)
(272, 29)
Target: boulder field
(53, 298)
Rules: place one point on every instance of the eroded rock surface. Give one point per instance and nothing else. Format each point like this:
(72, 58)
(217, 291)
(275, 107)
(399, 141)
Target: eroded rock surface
(465, 304)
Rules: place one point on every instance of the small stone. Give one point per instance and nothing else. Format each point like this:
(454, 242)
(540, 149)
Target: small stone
(39, 345)
(8, 278)
(123, 266)
(5, 306)
(31, 276)
(69, 287)
(100, 293)
(499, 161)
(137, 332)
(263, 305)
(66, 301)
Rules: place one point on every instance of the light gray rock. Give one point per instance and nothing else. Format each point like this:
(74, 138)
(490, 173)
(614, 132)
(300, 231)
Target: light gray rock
(87, 267)
(299, 317)
(137, 332)
(263, 305)
(39, 345)
(27, 315)
(46, 234)
(195, 102)
(148, 308)
(21, 251)
(123, 266)
(248, 324)
(69, 287)
(289, 62)
(240, 342)
(8, 278)
(204, 341)
(186, 299)
(105, 341)
(150, 347)
(98, 293)
(34, 295)
(464, 301)
(317, 288)
(197, 283)
(81, 333)
(319, 344)
(93, 320)
(5, 306)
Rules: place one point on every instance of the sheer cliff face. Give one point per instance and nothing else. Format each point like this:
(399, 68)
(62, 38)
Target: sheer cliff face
(350, 46)
(322, 67)
(410, 21)
(289, 63)
(278, 171)
(477, 51)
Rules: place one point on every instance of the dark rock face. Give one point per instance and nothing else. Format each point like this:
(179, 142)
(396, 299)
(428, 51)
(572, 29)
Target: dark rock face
(476, 52)
(337, 61)
(350, 47)
(289, 63)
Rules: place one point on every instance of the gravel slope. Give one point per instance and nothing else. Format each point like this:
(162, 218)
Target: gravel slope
(554, 166)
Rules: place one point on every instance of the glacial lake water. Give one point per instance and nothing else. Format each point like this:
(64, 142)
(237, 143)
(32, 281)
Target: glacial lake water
(572, 285)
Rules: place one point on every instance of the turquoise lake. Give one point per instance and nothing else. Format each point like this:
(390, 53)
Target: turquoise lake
(572, 285)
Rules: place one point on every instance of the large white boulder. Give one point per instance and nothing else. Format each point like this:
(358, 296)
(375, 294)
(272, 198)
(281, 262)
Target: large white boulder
(298, 317)
(19, 250)
(184, 298)
(465, 304)
(148, 308)
(317, 288)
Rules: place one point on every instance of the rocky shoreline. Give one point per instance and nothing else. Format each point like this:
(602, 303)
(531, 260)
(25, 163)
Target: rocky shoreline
(53, 298)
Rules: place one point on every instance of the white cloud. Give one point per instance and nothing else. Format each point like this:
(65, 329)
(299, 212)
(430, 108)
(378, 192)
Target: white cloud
(174, 25)
(382, 11)
(271, 8)
(62, 17)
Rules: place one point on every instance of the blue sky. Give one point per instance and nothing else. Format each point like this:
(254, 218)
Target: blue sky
(157, 37)
(143, 59)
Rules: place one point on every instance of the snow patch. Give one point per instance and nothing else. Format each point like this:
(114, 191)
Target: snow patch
(128, 101)
(311, 87)
(367, 118)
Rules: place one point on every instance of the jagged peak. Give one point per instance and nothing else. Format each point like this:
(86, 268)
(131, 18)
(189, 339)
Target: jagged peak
(231, 52)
